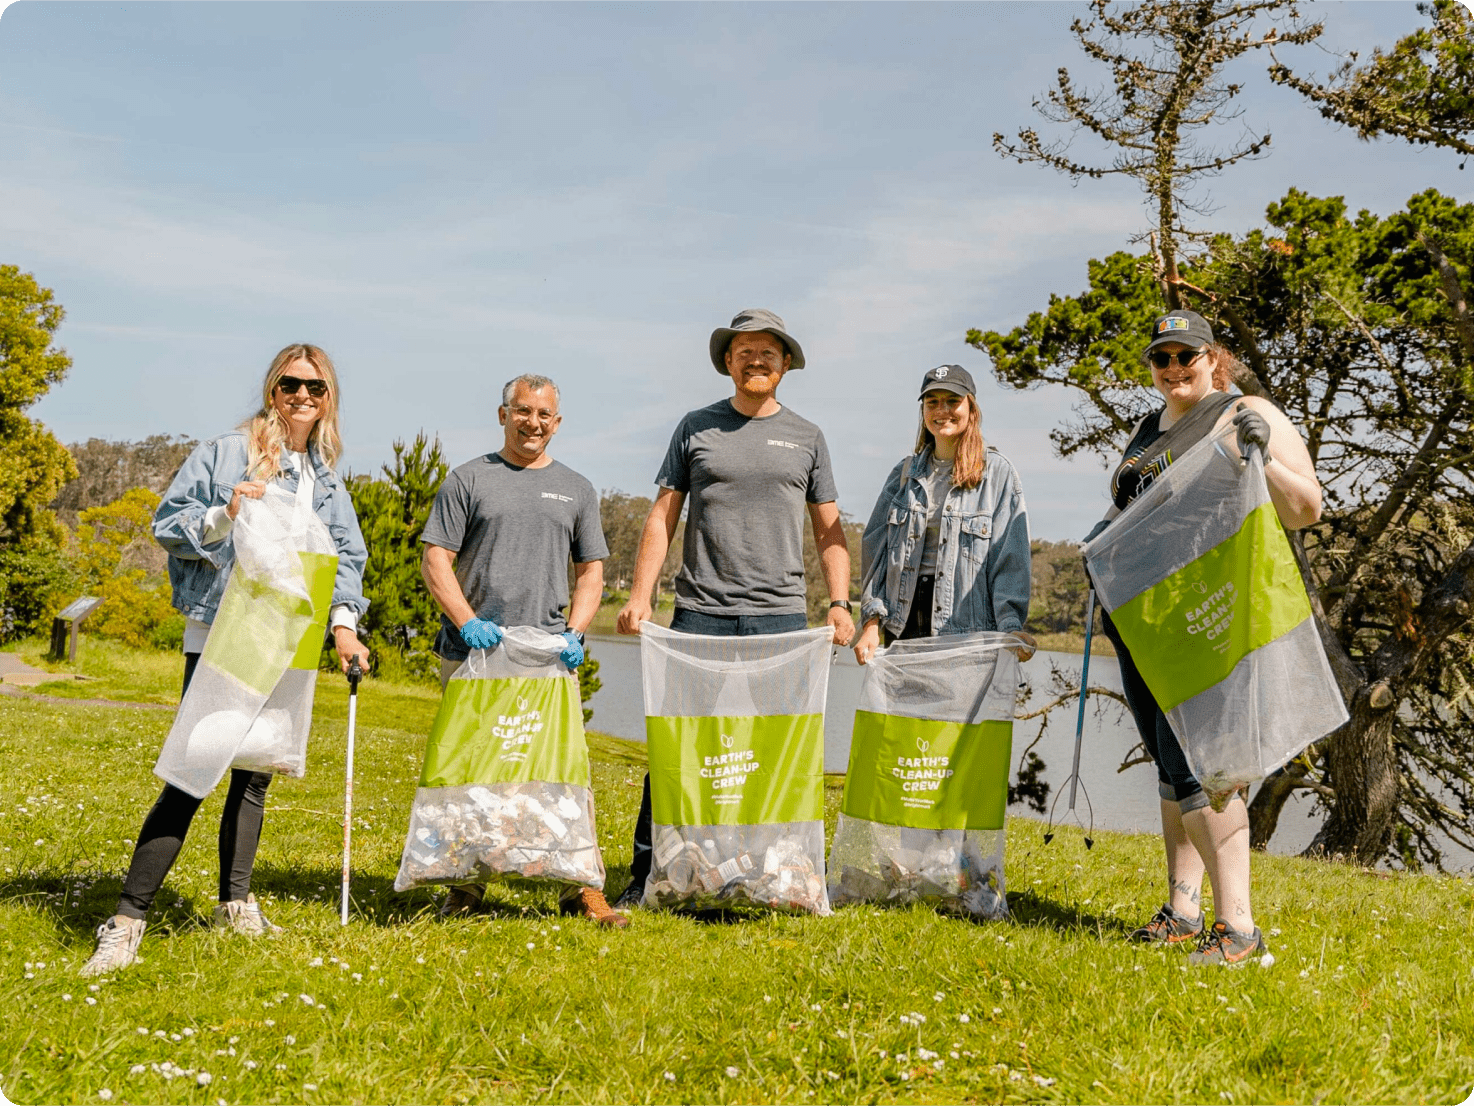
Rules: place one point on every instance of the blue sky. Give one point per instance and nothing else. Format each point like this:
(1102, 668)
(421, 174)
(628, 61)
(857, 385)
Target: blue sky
(445, 195)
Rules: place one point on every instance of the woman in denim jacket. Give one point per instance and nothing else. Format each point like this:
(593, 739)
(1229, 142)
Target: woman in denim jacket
(292, 440)
(946, 550)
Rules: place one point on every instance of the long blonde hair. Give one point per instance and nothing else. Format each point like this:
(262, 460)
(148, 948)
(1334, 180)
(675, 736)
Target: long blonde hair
(972, 451)
(266, 431)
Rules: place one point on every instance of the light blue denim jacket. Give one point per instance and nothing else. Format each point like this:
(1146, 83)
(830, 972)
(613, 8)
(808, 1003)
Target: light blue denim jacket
(982, 576)
(198, 572)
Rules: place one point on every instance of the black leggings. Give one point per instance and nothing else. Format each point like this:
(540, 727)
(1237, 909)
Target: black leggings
(163, 833)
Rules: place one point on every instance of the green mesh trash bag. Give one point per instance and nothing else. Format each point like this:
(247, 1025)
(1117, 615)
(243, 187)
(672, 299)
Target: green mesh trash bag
(504, 790)
(249, 703)
(1199, 578)
(927, 786)
(735, 727)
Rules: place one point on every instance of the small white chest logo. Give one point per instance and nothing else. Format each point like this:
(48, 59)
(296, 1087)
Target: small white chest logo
(559, 498)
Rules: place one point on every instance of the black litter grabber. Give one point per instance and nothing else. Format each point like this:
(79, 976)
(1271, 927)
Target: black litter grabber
(1074, 779)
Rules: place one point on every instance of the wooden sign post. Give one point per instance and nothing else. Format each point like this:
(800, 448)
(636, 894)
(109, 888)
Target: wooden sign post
(64, 627)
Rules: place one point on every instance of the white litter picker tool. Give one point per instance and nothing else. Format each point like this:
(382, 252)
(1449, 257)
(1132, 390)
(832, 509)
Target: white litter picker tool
(355, 673)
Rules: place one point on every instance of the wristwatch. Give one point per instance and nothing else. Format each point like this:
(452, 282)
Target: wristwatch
(845, 603)
(576, 633)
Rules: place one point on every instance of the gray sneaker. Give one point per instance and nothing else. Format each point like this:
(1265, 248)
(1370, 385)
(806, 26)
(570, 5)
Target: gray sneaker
(1168, 927)
(1227, 946)
(244, 917)
(117, 945)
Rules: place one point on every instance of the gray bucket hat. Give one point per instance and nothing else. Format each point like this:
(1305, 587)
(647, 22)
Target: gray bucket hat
(754, 319)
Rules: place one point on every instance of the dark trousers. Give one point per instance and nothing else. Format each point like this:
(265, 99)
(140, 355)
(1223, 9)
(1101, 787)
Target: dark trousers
(918, 620)
(694, 622)
(163, 833)
(1175, 779)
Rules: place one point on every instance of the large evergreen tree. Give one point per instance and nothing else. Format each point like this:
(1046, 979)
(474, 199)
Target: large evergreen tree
(1351, 335)
(33, 464)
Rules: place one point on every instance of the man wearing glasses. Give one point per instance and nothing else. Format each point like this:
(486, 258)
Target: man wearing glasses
(497, 545)
(750, 467)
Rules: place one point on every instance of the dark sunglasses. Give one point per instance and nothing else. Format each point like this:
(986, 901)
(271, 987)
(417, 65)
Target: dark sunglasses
(291, 385)
(1161, 358)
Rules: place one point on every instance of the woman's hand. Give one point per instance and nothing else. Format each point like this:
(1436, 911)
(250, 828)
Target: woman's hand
(346, 642)
(866, 643)
(251, 489)
(1026, 650)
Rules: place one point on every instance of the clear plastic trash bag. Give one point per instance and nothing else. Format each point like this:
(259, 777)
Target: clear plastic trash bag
(735, 729)
(504, 790)
(922, 817)
(1201, 583)
(249, 703)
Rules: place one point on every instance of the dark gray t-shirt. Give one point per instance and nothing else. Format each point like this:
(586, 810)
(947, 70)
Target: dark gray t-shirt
(747, 480)
(512, 531)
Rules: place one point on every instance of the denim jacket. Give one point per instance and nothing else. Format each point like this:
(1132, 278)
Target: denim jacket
(198, 571)
(982, 575)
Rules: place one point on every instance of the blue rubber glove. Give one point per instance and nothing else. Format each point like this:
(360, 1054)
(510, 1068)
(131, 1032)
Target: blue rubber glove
(481, 633)
(572, 654)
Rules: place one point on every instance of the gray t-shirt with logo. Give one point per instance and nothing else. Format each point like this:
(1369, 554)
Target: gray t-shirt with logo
(513, 530)
(747, 481)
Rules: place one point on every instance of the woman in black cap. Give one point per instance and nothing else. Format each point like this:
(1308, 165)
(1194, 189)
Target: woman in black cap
(1193, 374)
(946, 550)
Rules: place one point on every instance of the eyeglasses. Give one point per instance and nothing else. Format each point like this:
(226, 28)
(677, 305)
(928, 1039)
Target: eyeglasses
(527, 414)
(291, 385)
(1184, 357)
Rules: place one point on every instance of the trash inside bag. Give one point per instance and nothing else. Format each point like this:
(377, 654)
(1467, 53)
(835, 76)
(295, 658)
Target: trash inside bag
(504, 790)
(735, 729)
(249, 703)
(1200, 581)
(927, 787)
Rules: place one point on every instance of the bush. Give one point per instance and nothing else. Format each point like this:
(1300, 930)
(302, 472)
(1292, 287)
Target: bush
(34, 585)
(109, 541)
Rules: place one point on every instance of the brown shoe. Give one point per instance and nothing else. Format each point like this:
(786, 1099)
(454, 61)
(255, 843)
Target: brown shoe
(463, 901)
(588, 903)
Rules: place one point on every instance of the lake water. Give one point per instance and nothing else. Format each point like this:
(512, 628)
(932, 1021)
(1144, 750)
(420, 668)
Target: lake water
(1121, 800)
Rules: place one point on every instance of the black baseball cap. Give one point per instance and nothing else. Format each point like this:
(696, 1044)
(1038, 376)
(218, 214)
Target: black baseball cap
(1186, 328)
(948, 378)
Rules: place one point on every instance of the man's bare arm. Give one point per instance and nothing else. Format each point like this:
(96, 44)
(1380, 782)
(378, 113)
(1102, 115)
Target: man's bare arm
(437, 566)
(588, 589)
(655, 539)
(834, 556)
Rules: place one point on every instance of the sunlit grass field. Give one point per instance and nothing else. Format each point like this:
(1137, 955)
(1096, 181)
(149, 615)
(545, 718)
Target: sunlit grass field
(1371, 997)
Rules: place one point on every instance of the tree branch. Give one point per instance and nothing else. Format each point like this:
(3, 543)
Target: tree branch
(1453, 291)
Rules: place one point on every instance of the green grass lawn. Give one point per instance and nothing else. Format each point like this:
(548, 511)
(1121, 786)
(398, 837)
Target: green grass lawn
(1371, 998)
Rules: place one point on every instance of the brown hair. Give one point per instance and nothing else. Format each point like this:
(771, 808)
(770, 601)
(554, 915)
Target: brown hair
(1225, 367)
(266, 431)
(972, 451)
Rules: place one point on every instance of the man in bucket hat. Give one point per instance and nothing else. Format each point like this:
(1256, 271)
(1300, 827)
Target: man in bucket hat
(749, 466)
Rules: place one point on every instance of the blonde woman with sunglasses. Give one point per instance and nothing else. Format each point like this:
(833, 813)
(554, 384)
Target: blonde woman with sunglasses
(291, 441)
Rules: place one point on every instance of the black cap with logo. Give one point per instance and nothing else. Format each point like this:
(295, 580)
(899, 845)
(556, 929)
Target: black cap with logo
(1186, 328)
(948, 378)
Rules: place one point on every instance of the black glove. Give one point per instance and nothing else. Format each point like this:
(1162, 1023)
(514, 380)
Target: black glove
(1097, 531)
(1253, 429)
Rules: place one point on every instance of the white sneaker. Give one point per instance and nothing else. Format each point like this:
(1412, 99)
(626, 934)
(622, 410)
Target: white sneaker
(244, 917)
(117, 945)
